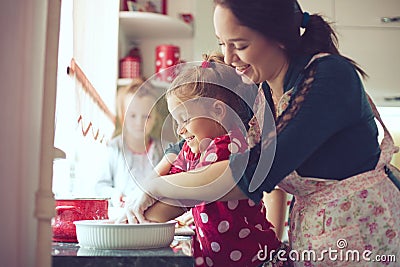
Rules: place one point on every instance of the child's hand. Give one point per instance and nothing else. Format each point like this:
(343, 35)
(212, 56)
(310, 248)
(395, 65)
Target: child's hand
(118, 200)
(135, 206)
(186, 219)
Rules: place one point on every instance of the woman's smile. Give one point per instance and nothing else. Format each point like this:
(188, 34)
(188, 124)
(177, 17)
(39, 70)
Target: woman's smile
(240, 70)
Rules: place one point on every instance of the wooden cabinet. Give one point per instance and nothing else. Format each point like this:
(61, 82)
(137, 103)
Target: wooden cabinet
(364, 37)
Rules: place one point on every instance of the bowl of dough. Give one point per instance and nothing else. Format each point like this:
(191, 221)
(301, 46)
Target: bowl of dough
(104, 234)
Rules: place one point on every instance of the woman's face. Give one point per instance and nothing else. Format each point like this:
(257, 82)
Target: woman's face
(195, 124)
(248, 51)
(139, 117)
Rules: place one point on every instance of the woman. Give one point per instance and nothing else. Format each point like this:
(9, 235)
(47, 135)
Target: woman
(326, 155)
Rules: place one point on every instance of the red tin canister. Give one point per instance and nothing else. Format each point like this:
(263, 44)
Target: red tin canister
(166, 57)
(70, 210)
(130, 65)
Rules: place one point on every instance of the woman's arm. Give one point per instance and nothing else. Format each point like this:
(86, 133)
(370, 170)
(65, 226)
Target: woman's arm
(210, 183)
(275, 204)
(304, 142)
(162, 212)
(163, 167)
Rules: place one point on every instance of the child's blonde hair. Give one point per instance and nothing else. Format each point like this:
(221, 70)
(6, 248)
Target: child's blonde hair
(138, 88)
(213, 79)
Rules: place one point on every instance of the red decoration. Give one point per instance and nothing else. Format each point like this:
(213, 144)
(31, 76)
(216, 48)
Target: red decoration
(130, 65)
(155, 6)
(70, 210)
(167, 56)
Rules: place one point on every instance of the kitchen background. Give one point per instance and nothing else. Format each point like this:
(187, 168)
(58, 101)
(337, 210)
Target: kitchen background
(33, 104)
(126, 47)
(126, 43)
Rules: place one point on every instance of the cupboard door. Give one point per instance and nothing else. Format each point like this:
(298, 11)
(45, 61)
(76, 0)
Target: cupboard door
(367, 13)
(322, 7)
(377, 52)
(372, 43)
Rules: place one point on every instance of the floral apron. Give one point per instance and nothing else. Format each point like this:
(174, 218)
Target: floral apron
(360, 214)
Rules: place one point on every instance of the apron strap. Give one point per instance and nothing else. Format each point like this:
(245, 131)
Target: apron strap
(378, 117)
(319, 55)
(387, 145)
(256, 123)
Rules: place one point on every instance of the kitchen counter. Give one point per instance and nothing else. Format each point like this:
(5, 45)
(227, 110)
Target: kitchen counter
(71, 254)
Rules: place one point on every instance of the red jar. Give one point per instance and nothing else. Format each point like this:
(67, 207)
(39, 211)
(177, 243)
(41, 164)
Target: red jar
(70, 210)
(166, 57)
(130, 67)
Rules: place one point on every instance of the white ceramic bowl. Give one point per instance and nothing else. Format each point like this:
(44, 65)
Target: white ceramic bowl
(103, 234)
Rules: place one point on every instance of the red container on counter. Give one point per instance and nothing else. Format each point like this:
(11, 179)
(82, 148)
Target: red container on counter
(166, 57)
(70, 210)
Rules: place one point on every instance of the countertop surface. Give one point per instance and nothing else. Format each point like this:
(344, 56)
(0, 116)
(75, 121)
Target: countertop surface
(71, 254)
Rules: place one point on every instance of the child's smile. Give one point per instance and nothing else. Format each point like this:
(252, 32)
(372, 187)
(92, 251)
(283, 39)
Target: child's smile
(195, 123)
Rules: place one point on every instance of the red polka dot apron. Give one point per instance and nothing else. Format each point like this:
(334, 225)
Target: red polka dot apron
(352, 222)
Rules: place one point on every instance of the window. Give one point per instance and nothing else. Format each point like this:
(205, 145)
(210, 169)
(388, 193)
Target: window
(89, 35)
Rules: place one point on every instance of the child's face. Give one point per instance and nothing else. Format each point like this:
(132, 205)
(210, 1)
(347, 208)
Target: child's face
(139, 120)
(195, 123)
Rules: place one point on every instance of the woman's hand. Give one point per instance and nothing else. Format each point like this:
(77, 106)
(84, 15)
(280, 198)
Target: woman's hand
(186, 219)
(276, 207)
(135, 207)
(118, 199)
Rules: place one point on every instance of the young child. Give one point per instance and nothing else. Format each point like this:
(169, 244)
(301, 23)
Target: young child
(228, 233)
(134, 151)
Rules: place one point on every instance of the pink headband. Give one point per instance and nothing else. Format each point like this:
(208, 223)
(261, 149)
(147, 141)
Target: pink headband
(205, 64)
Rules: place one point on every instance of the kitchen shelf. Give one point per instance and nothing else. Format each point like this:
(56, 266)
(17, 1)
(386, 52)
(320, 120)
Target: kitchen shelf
(124, 81)
(158, 84)
(138, 25)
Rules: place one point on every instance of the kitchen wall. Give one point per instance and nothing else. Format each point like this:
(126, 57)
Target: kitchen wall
(391, 118)
(204, 39)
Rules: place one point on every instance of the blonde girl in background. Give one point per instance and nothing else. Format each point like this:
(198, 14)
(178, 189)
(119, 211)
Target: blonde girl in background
(135, 148)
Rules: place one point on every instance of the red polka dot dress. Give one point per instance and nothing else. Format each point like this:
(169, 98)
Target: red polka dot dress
(228, 233)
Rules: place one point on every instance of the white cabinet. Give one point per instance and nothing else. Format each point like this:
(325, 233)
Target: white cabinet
(372, 43)
(148, 30)
(141, 25)
(364, 37)
(367, 13)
